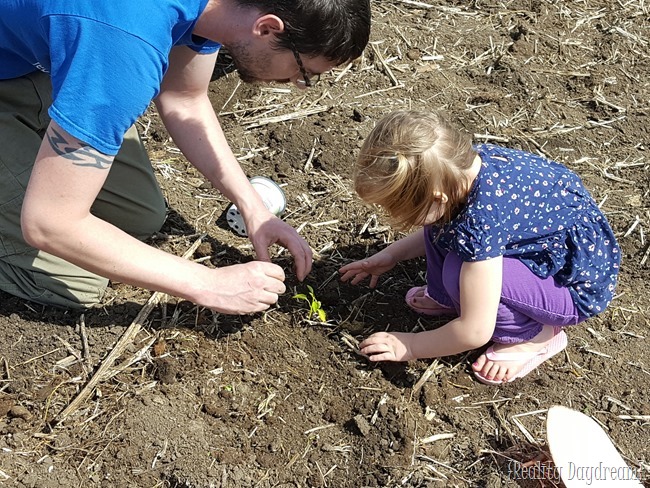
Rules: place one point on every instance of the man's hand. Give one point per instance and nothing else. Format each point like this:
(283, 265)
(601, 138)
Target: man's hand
(189, 116)
(374, 266)
(244, 288)
(265, 230)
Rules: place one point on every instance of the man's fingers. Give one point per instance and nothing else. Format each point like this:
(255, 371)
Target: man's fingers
(297, 246)
(277, 288)
(303, 259)
(262, 253)
(269, 298)
(274, 271)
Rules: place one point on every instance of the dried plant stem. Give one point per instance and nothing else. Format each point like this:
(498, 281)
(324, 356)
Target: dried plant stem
(127, 338)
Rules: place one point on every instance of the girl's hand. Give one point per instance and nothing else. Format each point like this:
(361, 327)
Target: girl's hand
(388, 346)
(374, 266)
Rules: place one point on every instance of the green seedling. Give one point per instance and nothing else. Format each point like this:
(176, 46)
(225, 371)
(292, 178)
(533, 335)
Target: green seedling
(315, 306)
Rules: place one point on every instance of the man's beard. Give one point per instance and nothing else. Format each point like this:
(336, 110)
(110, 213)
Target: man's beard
(242, 59)
(245, 75)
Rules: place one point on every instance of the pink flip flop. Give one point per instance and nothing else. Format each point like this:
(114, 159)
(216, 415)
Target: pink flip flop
(410, 296)
(534, 359)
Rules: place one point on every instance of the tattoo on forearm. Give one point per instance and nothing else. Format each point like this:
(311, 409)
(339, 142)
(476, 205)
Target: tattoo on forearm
(80, 155)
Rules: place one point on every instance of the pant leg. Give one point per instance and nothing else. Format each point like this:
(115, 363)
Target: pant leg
(130, 199)
(435, 285)
(527, 301)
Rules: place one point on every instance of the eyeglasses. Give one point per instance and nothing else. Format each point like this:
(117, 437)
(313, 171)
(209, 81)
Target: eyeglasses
(307, 80)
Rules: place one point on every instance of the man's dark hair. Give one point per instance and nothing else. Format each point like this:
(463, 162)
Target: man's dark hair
(335, 29)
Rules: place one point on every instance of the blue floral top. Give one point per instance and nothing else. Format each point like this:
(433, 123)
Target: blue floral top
(525, 206)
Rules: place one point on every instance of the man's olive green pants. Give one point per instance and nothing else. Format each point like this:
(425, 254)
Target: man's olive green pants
(130, 199)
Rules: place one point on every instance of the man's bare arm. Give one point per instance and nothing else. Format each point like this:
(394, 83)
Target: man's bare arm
(66, 179)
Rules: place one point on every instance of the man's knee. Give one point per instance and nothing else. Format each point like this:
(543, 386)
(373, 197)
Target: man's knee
(140, 219)
(149, 220)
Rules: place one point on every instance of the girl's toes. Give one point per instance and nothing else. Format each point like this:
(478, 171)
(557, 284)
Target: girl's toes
(479, 363)
(500, 374)
(491, 371)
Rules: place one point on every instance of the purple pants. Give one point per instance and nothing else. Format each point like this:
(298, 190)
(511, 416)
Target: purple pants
(527, 303)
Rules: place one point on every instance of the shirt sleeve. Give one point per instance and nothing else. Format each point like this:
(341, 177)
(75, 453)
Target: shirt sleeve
(103, 79)
(203, 46)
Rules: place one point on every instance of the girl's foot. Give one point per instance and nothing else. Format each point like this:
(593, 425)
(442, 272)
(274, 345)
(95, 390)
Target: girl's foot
(503, 363)
(418, 299)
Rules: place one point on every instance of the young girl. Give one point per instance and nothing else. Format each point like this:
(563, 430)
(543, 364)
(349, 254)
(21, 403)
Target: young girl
(516, 247)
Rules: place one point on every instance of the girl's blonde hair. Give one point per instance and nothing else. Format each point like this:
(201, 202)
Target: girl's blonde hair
(407, 158)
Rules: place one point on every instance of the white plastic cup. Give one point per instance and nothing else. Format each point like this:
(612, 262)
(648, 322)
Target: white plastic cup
(272, 196)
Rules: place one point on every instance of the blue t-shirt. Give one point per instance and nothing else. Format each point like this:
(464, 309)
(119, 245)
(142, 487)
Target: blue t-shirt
(527, 207)
(106, 58)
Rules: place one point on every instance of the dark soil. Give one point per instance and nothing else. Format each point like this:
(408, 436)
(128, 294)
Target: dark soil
(278, 400)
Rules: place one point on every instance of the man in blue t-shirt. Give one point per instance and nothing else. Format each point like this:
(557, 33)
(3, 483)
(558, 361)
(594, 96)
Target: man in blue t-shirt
(74, 77)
